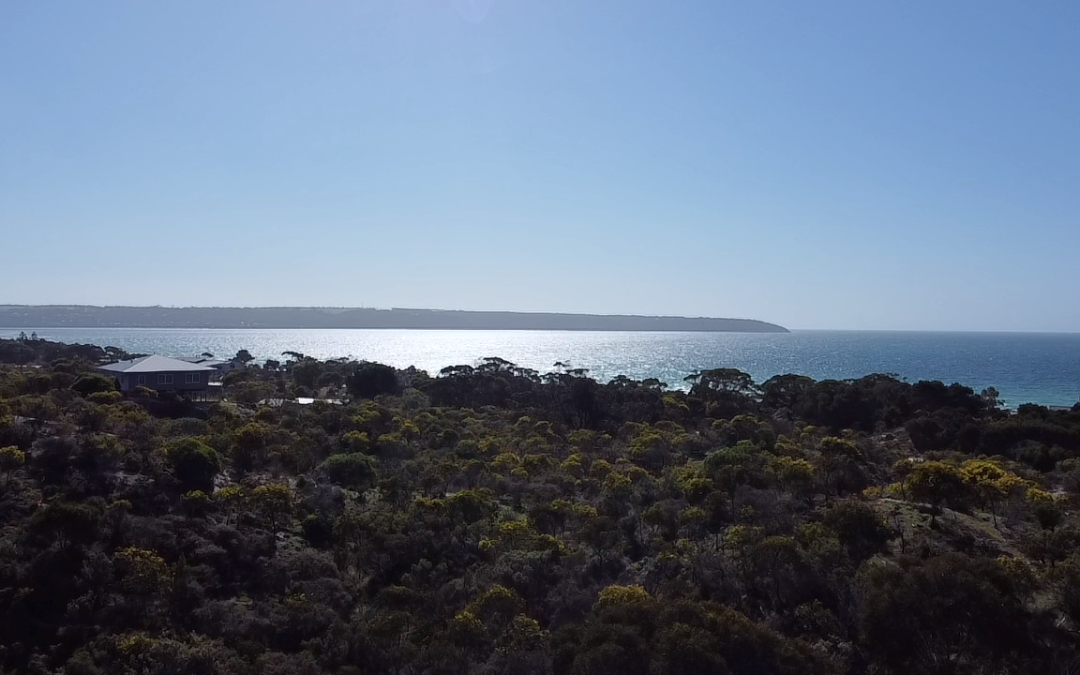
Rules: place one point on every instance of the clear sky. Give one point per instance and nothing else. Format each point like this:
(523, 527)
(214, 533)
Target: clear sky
(902, 165)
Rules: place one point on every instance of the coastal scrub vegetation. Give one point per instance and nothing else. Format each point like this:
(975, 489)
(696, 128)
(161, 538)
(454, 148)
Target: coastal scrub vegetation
(492, 519)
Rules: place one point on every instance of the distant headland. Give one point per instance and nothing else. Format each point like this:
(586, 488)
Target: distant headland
(87, 316)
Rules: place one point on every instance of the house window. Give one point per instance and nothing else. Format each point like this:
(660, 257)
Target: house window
(191, 378)
(142, 379)
(164, 379)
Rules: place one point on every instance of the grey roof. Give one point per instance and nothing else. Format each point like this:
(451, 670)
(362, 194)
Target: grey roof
(202, 360)
(153, 364)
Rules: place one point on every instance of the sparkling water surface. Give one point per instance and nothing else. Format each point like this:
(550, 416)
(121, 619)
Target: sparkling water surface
(1024, 367)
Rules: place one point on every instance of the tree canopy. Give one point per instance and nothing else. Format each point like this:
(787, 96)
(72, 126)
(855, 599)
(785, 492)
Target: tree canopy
(492, 519)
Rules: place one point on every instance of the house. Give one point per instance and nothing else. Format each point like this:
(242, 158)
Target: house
(160, 373)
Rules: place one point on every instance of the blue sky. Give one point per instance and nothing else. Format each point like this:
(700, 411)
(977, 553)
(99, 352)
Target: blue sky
(909, 165)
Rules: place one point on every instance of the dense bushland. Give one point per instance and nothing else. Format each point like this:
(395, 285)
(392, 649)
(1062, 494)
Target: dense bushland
(492, 519)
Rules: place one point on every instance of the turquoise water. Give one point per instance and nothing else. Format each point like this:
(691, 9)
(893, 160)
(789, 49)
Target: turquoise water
(1024, 367)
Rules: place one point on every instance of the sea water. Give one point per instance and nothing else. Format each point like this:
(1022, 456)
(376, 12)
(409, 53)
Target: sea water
(1024, 367)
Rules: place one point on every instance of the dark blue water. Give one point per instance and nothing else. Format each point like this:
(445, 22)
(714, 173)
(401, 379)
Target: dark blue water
(1024, 367)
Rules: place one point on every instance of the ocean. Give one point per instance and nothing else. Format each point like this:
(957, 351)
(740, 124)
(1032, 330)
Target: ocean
(1024, 367)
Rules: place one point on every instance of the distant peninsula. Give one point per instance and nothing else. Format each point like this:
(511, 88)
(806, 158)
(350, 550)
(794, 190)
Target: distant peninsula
(87, 316)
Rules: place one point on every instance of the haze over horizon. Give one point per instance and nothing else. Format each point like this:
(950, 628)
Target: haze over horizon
(835, 165)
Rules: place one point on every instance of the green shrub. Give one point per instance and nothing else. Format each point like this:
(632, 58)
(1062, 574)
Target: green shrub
(105, 397)
(92, 383)
(194, 463)
(354, 470)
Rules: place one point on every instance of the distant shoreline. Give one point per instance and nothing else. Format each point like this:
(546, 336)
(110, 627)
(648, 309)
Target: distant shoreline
(85, 316)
